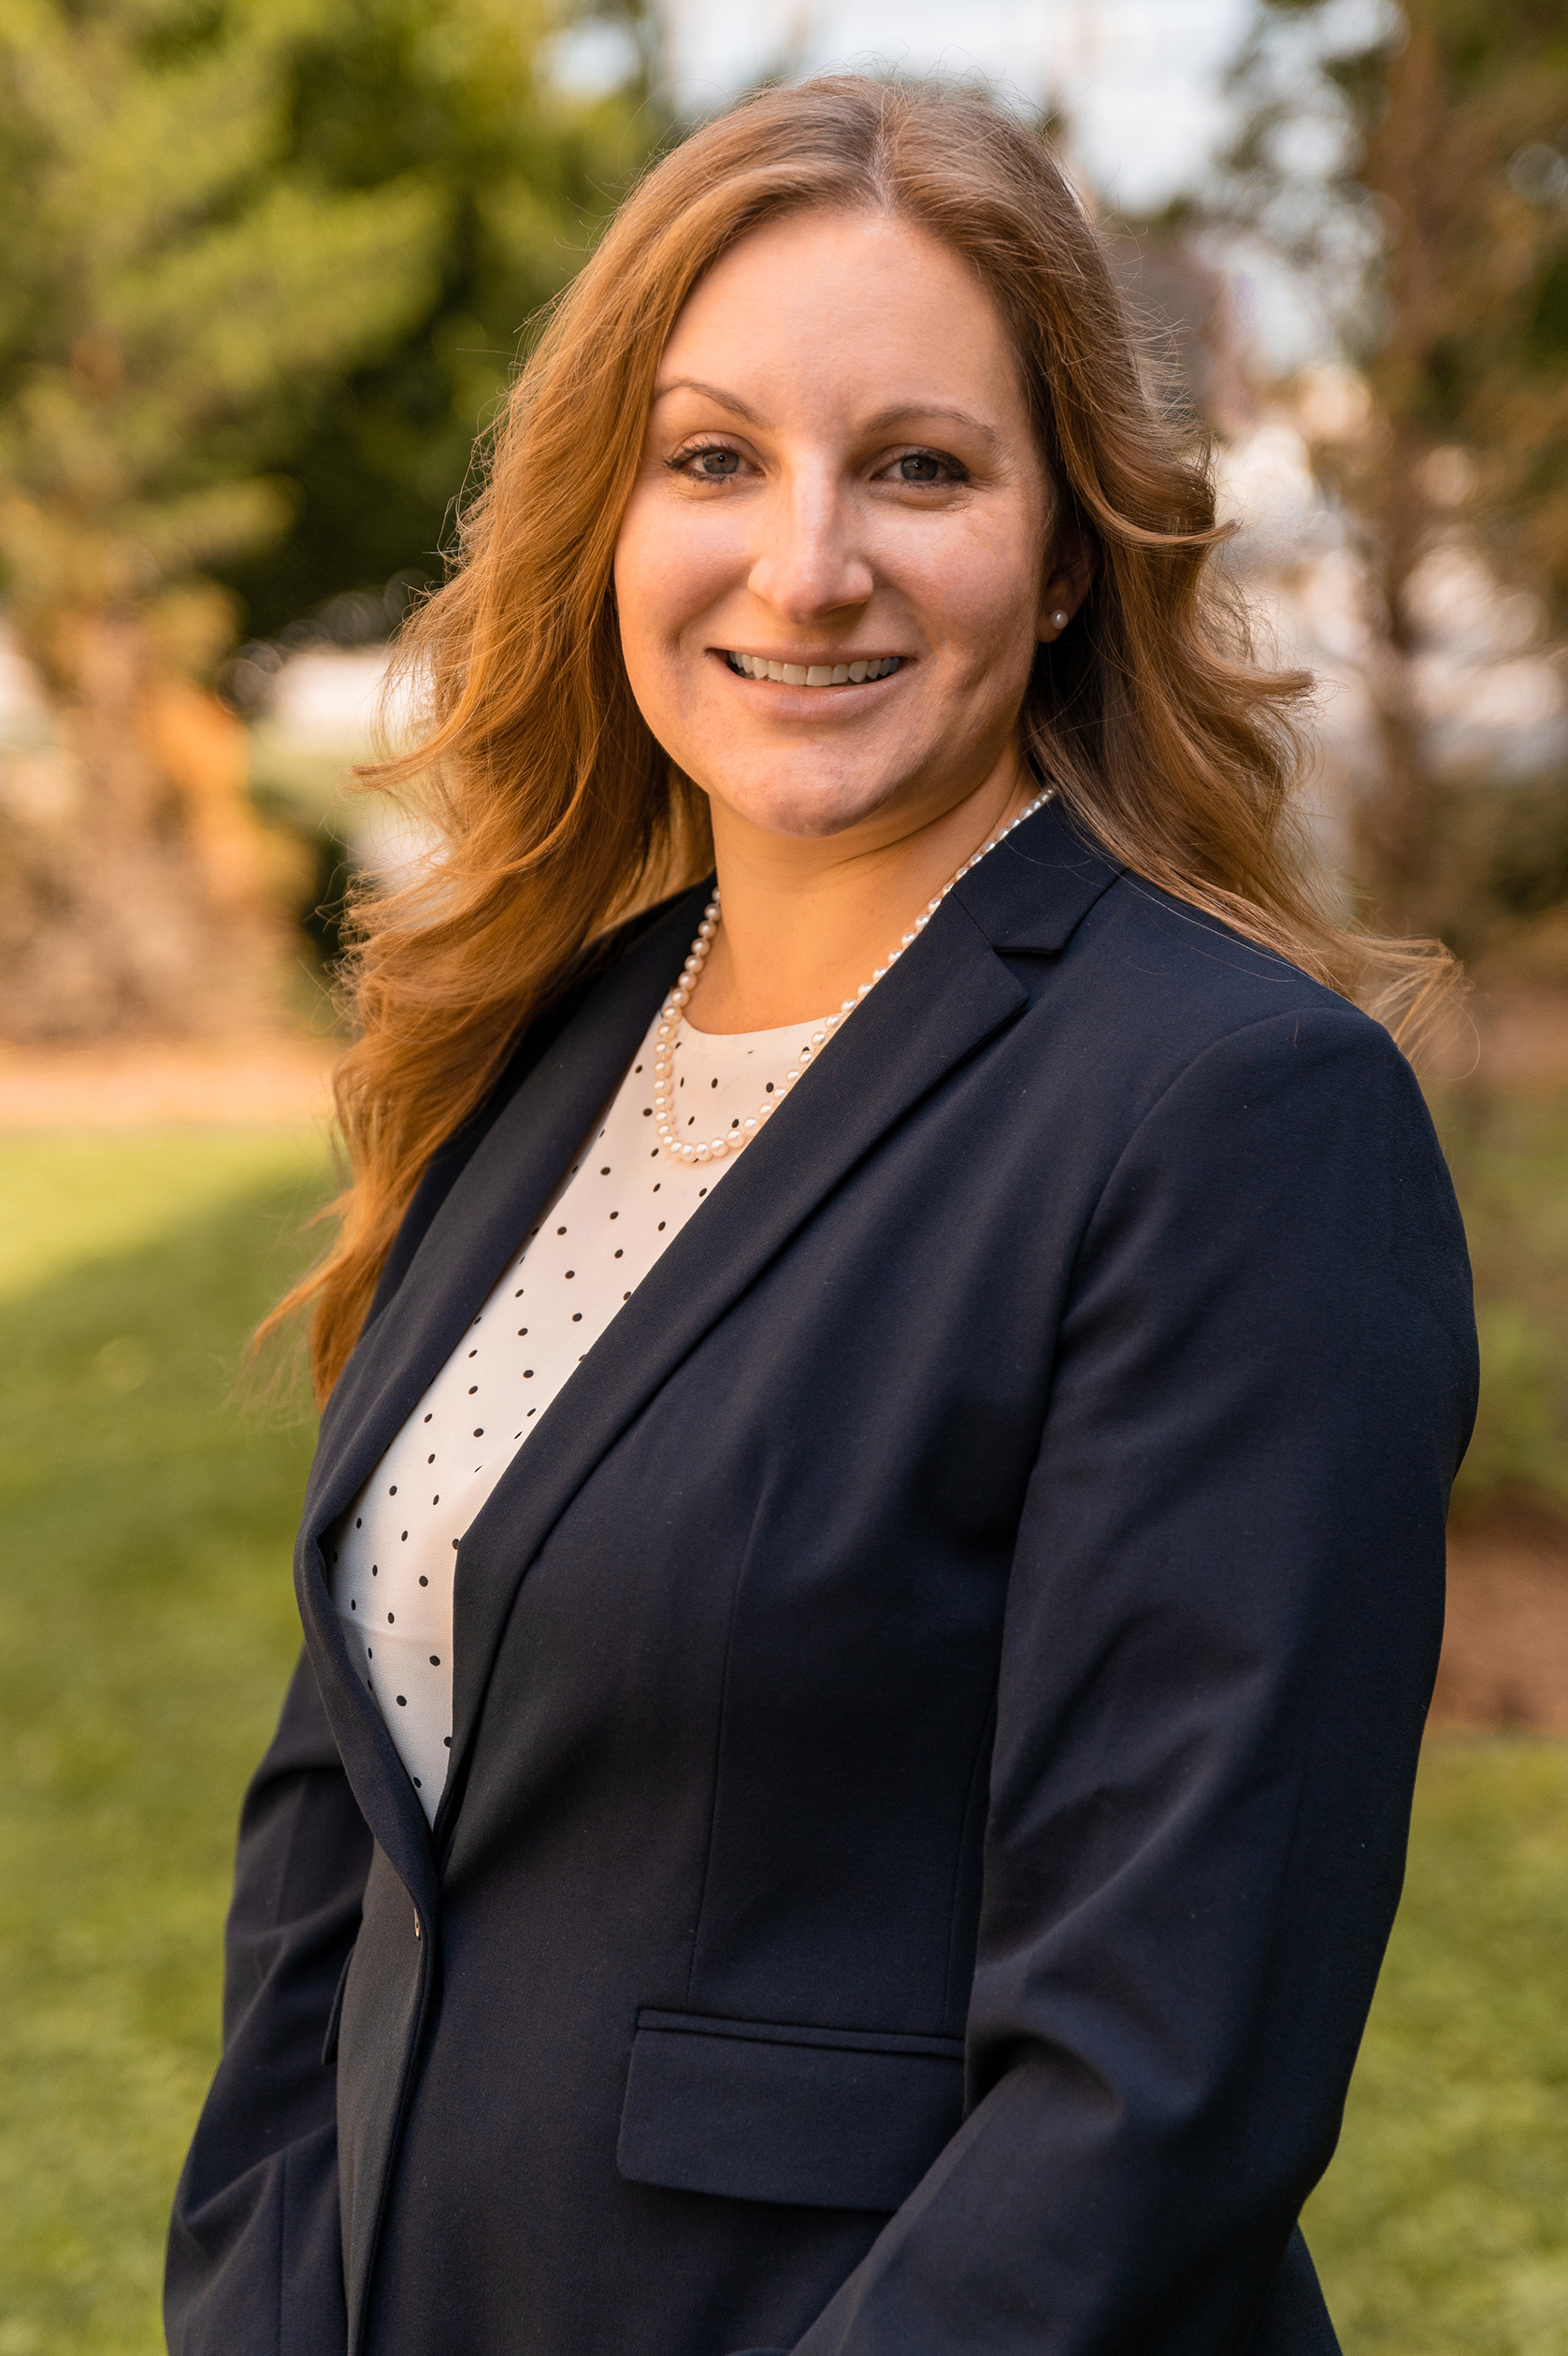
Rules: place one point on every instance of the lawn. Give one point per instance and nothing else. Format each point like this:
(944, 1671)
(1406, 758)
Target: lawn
(148, 1623)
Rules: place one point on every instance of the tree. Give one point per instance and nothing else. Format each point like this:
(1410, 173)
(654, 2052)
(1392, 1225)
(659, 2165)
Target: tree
(1438, 238)
(221, 214)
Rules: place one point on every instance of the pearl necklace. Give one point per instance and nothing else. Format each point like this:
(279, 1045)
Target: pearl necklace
(697, 958)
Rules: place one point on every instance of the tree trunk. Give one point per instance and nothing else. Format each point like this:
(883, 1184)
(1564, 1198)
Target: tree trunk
(134, 893)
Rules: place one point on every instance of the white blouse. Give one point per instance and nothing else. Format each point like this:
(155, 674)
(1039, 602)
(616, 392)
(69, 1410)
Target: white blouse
(618, 1207)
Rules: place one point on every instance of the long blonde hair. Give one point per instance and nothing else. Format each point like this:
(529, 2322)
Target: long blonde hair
(555, 811)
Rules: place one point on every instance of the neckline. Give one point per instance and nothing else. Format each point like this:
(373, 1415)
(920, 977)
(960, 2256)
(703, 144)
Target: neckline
(718, 1040)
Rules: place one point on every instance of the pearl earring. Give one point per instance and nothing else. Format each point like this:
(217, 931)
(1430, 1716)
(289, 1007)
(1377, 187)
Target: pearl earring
(1060, 621)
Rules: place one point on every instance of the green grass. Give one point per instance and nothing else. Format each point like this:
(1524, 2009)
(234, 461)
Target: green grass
(1442, 2226)
(1508, 1151)
(149, 1627)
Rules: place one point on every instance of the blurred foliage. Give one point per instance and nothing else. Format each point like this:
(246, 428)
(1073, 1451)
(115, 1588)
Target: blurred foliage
(1508, 1150)
(1414, 161)
(147, 1524)
(266, 264)
(170, 272)
(448, 95)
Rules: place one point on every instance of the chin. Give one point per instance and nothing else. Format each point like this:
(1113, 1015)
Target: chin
(796, 806)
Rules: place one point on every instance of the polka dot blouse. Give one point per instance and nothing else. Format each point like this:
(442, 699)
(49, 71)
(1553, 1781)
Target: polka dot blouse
(621, 1203)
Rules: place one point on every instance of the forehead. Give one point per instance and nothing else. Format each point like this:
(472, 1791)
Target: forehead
(846, 308)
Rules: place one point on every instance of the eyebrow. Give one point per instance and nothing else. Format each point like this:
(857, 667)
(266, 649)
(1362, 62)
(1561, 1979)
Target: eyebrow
(882, 423)
(730, 401)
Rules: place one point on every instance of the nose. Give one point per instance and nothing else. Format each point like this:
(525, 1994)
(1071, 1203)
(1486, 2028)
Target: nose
(808, 559)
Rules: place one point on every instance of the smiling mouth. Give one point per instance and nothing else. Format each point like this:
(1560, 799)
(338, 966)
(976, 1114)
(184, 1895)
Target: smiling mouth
(815, 674)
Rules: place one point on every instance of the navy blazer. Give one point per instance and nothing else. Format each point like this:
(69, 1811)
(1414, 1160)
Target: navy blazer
(936, 1698)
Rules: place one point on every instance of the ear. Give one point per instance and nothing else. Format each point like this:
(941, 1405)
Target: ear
(1067, 582)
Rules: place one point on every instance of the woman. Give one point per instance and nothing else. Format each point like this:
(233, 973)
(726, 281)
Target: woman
(864, 1657)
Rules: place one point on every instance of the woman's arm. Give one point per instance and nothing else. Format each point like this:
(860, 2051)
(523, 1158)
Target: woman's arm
(1222, 1631)
(254, 2254)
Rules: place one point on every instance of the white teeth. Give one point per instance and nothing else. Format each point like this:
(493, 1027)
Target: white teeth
(817, 674)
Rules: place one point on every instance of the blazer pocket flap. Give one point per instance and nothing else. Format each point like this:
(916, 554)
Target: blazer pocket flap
(824, 2117)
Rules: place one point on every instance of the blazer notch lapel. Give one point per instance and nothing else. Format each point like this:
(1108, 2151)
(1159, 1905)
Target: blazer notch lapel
(1034, 890)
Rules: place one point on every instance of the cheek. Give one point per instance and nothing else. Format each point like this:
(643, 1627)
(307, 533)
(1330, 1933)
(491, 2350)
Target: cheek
(979, 591)
(669, 568)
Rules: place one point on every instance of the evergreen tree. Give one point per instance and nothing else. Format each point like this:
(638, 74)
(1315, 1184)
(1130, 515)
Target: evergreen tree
(237, 231)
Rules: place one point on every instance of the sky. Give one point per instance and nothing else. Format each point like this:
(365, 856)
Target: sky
(1140, 80)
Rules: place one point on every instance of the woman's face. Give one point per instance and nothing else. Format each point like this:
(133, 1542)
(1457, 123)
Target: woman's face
(841, 482)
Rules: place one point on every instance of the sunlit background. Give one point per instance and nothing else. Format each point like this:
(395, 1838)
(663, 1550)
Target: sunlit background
(267, 266)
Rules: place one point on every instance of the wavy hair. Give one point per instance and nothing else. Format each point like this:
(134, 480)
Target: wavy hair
(552, 810)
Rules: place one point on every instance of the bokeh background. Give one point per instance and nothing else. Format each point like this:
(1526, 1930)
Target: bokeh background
(267, 264)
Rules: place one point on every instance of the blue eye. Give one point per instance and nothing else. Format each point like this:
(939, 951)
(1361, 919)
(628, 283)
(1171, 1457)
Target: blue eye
(919, 467)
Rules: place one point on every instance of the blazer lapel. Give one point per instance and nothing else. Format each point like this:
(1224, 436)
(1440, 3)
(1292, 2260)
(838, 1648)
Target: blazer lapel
(509, 1179)
(940, 1003)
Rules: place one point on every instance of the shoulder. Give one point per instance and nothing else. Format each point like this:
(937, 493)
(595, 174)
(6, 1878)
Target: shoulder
(1173, 985)
(1136, 986)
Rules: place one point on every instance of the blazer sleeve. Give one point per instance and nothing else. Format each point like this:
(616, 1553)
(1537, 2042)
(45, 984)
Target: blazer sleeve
(1222, 1632)
(254, 2264)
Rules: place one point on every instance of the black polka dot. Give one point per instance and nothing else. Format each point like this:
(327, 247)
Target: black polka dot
(435, 1660)
(404, 1537)
(353, 1602)
(614, 1214)
(577, 1316)
(605, 1172)
(402, 1701)
(422, 1580)
(620, 1256)
(560, 1230)
(375, 1568)
(418, 1786)
(392, 1490)
(392, 1619)
(431, 1457)
(428, 1417)
(571, 1271)
(479, 1431)
(473, 1390)
(528, 1373)
(446, 1742)
(359, 1521)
